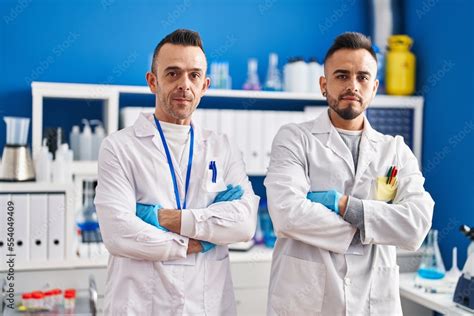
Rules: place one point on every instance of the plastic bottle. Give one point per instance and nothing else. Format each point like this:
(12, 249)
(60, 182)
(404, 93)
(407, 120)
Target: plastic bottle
(85, 142)
(43, 163)
(74, 141)
(252, 83)
(97, 138)
(62, 166)
(273, 81)
(288, 74)
(400, 66)
(299, 76)
(314, 72)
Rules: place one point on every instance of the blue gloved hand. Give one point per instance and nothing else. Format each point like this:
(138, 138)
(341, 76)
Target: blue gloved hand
(206, 246)
(149, 214)
(330, 199)
(230, 194)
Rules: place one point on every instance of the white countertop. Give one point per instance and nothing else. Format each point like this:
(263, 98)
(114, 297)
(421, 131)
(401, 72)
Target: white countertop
(441, 303)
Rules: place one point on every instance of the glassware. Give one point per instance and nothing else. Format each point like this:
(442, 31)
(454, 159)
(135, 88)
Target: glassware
(431, 266)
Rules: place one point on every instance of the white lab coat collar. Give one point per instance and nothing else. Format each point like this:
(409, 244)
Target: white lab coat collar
(323, 125)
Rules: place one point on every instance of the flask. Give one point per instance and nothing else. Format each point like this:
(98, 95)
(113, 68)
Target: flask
(431, 266)
(273, 81)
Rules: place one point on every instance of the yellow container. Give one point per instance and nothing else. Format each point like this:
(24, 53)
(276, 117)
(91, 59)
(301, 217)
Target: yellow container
(400, 66)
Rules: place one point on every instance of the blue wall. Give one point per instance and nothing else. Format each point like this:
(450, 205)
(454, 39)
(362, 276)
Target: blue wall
(111, 41)
(444, 45)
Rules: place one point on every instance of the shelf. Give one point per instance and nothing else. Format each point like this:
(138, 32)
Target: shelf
(100, 91)
(34, 187)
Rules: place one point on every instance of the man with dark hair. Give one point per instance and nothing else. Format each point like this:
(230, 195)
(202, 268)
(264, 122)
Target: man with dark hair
(171, 196)
(342, 197)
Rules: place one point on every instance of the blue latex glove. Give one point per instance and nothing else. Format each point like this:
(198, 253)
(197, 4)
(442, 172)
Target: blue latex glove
(231, 194)
(149, 214)
(330, 199)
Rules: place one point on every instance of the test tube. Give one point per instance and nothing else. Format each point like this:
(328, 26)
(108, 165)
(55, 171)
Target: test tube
(37, 299)
(26, 300)
(69, 300)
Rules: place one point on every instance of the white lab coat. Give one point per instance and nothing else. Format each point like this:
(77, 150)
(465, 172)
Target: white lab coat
(149, 272)
(311, 272)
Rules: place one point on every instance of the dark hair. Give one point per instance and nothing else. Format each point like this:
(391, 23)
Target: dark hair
(182, 37)
(351, 40)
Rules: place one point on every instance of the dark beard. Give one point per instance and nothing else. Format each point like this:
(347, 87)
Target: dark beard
(347, 113)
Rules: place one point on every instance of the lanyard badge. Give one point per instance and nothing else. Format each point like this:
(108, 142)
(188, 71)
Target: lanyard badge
(170, 164)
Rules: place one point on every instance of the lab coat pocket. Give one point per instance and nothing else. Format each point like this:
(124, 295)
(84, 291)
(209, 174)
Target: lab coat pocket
(218, 288)
(384, 291)
(214, 177)
(383, 191)
(299, 287)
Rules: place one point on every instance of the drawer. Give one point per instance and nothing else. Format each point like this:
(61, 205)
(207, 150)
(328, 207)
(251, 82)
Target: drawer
(250, 274)
(251, 302)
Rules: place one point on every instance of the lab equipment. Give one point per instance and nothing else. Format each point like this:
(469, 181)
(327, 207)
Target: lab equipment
(330, 199)
(273, 80)
(74, 141)
(431, 266)
(220, 77)
(87, 222)
(17, 164)
(26, 300)
(452, 276)
(85, 142)
(252, 82)
(464, 292)
(69, 300)
(296, 75)
(43, 164)
(469, 232)
(149, 214)
(400, 66)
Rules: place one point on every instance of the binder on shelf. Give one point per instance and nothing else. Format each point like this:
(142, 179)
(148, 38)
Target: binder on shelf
(4, 198)
(240, 127)
(227, 124)
(22, 227)
(255, 148)
(57, 226)
(38, 227)
(211, 119)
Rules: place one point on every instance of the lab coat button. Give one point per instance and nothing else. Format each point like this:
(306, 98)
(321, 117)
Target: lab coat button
(181, 241)
(347, 281)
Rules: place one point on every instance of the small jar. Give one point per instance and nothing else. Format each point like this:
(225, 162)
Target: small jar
(26, 299)
(48, 299)
(69, 300)
(57, 297)
(37, 300)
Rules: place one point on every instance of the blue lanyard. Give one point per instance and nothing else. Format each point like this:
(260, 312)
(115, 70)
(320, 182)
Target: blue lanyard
(170, 164)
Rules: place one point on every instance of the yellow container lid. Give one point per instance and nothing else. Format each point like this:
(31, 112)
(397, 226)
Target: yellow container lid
(400, 41)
